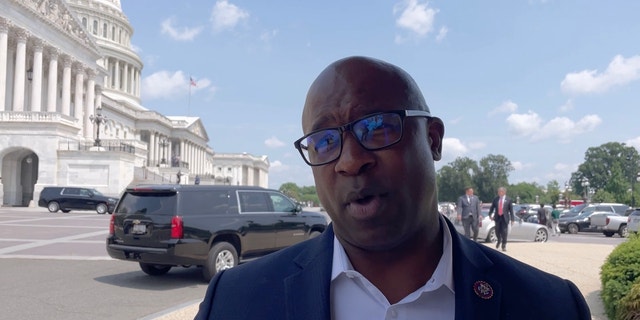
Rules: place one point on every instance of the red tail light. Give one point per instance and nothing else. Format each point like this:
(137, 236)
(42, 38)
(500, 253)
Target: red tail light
(177, 227)
(112, 225)
(607, 221)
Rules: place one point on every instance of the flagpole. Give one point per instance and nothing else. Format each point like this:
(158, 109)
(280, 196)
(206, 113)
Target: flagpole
(189, 102)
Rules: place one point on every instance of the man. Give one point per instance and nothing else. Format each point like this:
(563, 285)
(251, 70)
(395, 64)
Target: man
(468, 207)
(503, 208)
(542, 215)
(372, 142)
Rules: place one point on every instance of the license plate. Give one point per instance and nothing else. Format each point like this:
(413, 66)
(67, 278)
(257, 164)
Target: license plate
(139, 229)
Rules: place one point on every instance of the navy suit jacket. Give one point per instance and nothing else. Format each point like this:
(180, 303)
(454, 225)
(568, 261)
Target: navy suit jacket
(293, 283)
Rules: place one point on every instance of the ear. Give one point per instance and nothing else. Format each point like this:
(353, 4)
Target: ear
(435, 133)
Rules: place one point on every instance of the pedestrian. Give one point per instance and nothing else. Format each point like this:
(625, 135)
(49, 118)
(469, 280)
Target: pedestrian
(555, 216)
(371, 142)
(501, 212)
(542, 215)
(469, 213)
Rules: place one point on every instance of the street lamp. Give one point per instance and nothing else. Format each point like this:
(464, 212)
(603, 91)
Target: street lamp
(163, 144)
(567, 197)
(98, 118)
(585, 187)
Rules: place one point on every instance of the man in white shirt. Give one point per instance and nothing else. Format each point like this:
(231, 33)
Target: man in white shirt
(388, 254)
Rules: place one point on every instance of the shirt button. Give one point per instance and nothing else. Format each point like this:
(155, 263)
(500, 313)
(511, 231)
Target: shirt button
(393, 313)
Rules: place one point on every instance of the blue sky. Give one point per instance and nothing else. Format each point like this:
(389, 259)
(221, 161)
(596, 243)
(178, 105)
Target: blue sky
(536, 81)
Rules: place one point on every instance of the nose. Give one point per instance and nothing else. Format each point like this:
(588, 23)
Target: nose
(354, 159)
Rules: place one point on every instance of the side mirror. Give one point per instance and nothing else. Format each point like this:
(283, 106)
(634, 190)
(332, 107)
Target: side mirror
(298, 208)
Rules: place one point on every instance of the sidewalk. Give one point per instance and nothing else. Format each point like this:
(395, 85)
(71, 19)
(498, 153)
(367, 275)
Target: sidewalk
(577, 262)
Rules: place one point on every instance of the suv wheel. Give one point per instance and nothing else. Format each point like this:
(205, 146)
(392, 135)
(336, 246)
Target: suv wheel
(222, 256)
(53, 206)
(101, 208)
(154, 269)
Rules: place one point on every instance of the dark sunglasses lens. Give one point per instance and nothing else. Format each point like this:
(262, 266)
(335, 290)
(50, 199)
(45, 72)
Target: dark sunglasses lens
(378, 131)
(323, 146)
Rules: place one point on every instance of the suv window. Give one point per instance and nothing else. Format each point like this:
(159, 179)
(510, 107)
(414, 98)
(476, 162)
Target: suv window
(71, 191)
(281, 204)
(149, 203)
(205, 202)
(253, 202)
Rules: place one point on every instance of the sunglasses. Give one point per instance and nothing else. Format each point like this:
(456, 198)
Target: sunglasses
(373, 132)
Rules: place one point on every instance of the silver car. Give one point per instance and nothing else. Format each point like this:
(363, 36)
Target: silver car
(520, 230)
(633, 221)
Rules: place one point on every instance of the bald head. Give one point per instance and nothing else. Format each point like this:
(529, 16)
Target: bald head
(361, 79)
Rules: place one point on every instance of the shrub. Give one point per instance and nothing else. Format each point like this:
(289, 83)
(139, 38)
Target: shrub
(629, 307)
(618, 274)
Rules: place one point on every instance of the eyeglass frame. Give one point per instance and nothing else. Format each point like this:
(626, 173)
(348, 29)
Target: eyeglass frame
(407, 113)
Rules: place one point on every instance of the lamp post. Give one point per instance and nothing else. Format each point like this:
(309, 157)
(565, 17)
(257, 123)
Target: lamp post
(98, 119)
(585, 187)
(163, 144)
(567, 198)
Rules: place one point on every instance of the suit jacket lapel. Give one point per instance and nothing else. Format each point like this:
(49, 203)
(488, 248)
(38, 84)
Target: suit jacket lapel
(309, 289)
(477, 291)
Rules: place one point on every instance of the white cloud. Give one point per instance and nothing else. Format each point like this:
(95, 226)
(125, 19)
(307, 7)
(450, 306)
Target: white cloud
(166, 85)
(416, 18)
(226, 15)
(635, 142)
(561, 129)
(274, 142)
(452, 148)
(506, 107)
(567, 106)
(619, 72)
(184, 34)
(442, 34)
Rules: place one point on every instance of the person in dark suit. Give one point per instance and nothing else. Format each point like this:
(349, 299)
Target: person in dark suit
(468, 207)
(371, 141)
(501, 212)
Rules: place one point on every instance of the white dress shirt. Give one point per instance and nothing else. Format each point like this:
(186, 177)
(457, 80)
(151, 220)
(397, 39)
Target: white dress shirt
(354, 297)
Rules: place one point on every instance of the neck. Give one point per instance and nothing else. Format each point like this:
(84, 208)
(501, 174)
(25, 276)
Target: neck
(400, 271)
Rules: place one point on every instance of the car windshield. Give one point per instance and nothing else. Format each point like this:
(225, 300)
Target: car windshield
(96, 192)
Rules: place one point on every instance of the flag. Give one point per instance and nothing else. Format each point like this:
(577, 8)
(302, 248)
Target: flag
(192, 82)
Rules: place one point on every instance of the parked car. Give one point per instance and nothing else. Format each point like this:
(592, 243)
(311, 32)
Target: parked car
(520, 230)
(75, 198)
(633, 221)
(610, 224)
(213, 227)
(581, 222)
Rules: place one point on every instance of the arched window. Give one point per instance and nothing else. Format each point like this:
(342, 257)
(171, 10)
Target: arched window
(104, 30)
(113, 33)
(84, 22)
(95, 27)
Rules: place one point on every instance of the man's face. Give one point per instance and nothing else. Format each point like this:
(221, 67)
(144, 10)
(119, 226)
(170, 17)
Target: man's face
(376, 199)
(469, 192)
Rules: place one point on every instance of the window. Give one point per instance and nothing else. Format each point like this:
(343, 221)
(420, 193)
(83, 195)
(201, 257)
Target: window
(113, 33)
(95, 27)
(104, 30)
(253, 202)
(71, 191)
(281, 203)
(84, 22)
(205, 202)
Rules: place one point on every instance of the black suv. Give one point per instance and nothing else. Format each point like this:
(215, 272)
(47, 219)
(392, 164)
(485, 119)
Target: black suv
(214, 227)
(75, 198)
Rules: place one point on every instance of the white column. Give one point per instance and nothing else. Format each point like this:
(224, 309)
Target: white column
(79, 92)
(125, 78)
(19, 75)
(4, 49)
(66, 85)
(36, 82)
(181, 150)
(90, 107)
(116, 75)
(152, 149)
(52, 89)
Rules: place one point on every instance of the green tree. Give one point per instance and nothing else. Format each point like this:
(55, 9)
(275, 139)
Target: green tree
(453, 178)
(494, 173)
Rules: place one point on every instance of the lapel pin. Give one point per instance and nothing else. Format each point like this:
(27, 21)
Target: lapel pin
(483, 289)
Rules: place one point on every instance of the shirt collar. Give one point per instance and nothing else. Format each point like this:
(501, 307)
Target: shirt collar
(443, 275)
